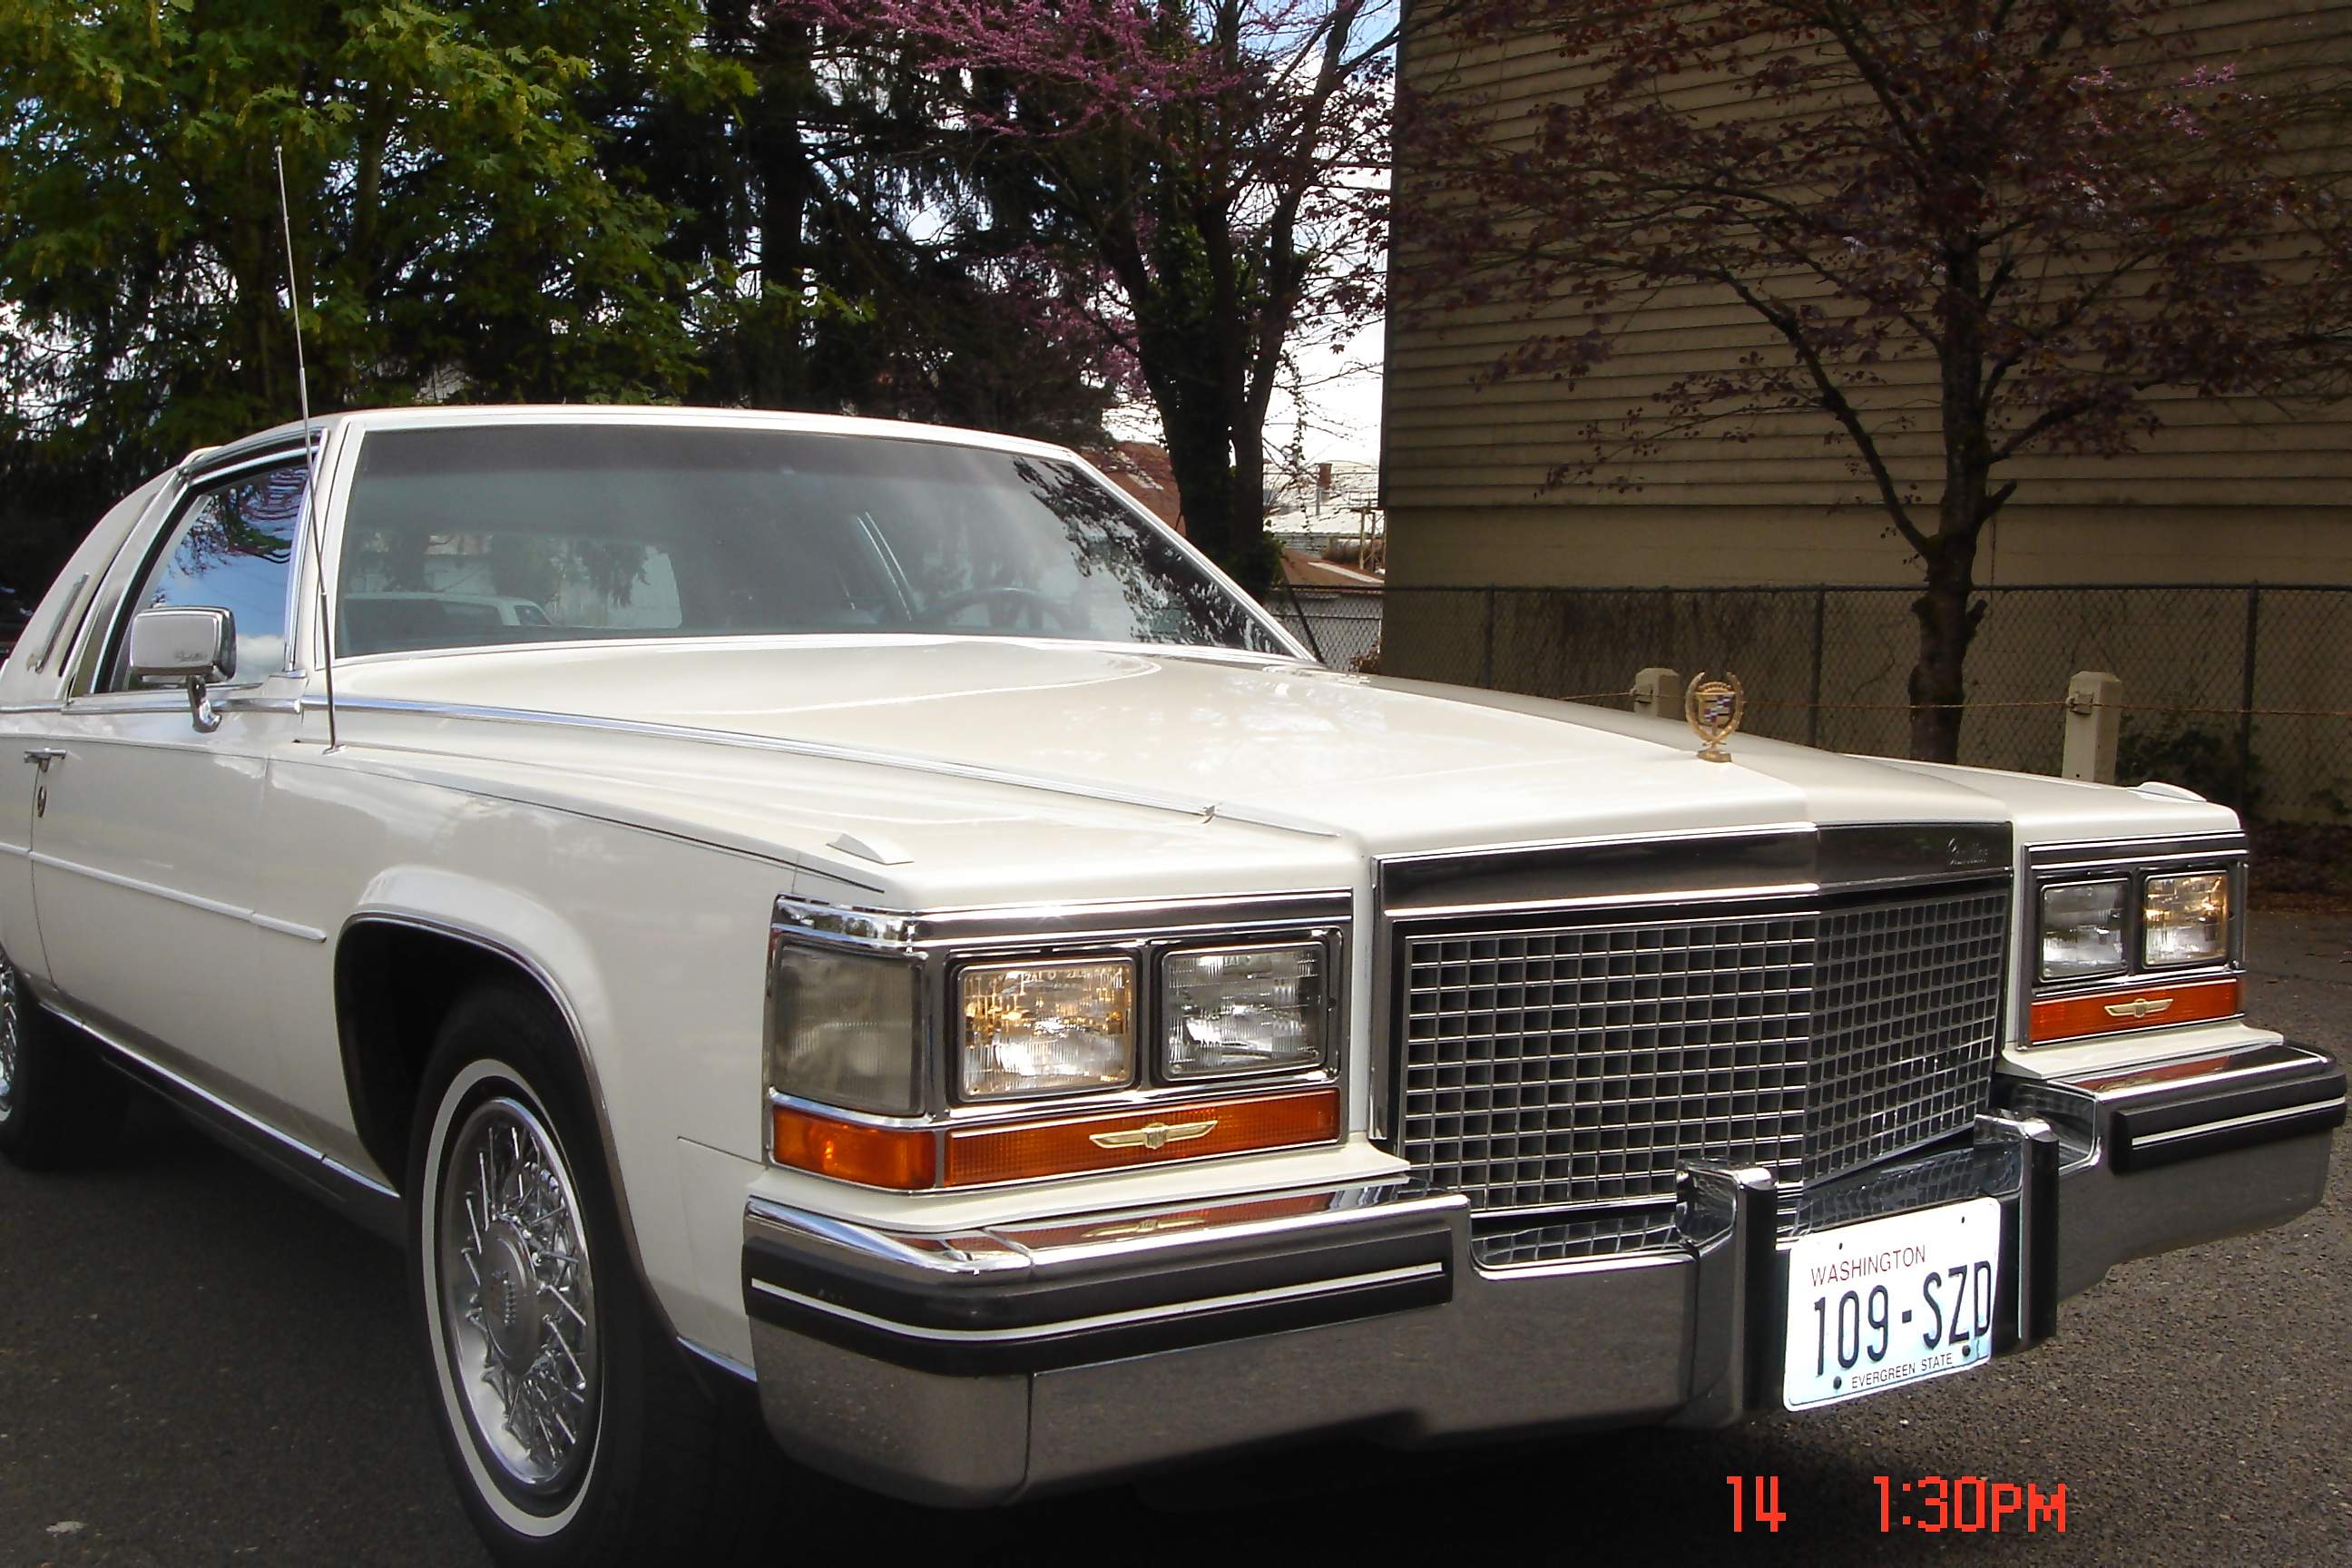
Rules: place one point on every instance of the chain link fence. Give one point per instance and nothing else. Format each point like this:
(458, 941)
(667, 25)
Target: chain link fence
(1343, 626)
(2242, 692)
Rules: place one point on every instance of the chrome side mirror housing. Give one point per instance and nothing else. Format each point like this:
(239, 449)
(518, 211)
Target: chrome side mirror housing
(195, 645)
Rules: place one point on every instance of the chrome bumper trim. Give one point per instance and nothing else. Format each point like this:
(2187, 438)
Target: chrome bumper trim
(1021, 1300)
(1293, 1314)
(2316, 1111)
(2168, 1154)
(1107, 1320)
(1730, 1356)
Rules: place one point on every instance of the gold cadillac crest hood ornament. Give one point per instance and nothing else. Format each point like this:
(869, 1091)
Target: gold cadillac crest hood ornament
(1713, 709)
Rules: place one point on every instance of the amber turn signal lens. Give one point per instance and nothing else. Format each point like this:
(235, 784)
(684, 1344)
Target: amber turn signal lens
(2148, 1007)
(903, 1158)
(1128, 1139)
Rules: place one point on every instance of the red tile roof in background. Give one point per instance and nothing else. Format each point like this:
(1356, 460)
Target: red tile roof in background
(1301, 570)
(1142, 469)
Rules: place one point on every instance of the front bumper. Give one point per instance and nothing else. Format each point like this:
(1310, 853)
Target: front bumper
(977, 1367)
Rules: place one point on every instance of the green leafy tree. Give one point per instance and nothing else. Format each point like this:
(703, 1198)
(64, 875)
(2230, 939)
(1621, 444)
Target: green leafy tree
(1196, 172)
(851, 265)
(462, 224)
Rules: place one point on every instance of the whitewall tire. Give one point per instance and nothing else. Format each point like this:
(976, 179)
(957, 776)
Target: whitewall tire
(578, 1435)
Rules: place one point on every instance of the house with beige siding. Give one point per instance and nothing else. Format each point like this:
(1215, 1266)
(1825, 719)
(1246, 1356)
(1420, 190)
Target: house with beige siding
(2229, 489)
(2226, 492)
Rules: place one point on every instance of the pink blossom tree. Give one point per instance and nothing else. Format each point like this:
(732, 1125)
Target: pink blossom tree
(1203, 173)
(2017, 223)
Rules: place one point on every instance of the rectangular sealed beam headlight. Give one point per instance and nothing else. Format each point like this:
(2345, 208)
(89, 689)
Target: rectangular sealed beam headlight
(1231, 1011)
(1045, 1028)
(2082, 930)
(845, 1029)
(2185, 920)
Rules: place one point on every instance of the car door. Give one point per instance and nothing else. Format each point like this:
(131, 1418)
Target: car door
(32, 688)
(146, 837)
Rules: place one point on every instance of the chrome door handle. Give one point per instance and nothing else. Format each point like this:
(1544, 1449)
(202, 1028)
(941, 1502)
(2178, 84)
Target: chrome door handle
(42, 756)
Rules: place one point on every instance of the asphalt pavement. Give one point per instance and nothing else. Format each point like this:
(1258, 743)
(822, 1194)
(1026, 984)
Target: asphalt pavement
(199, 1366)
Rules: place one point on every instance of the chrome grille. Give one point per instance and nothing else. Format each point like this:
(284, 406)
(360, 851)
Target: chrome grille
(1613, 1236)
(1947, 1178)
(1580, 1065)
(1906, 1000)
(1551, 1067)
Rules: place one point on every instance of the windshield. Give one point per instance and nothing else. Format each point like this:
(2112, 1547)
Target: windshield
(485, 535)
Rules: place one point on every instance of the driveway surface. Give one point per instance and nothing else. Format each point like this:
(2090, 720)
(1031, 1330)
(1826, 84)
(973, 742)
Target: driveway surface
(198, 1366)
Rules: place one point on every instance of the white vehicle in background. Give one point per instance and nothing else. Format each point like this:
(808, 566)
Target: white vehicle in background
(394, 615)
(884, 935)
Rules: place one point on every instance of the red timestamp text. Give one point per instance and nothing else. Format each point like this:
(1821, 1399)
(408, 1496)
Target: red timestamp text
(1969, 1504)
(1929, 1504)
(1756, 1498)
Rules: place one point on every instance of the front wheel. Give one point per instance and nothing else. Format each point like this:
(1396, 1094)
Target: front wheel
(576, 1435)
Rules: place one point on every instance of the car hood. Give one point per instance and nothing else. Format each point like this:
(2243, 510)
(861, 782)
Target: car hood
(1392, 765)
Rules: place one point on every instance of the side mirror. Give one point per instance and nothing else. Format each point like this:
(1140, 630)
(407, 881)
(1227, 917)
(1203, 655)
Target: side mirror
(196, 645)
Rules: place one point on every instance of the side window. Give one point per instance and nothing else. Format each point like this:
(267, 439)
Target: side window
(231, 548)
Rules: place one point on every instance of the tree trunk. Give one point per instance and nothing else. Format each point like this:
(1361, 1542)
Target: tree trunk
(1201, 457)
(1947, 624)
(1224, 510)
(1250, 556)
(778, 375)
(257, 321)
(1218, 480)
(1948, 621)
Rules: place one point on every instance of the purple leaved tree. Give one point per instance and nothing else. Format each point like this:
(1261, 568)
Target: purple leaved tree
(1204, 171)
(2020, 224)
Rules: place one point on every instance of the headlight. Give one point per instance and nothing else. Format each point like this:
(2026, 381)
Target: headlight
(2186, 920)
(1046, 1028)
(1242, 1010)
(842, 1031)
(2082, 930)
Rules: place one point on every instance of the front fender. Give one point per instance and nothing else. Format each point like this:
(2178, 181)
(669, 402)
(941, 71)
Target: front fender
(502, 920)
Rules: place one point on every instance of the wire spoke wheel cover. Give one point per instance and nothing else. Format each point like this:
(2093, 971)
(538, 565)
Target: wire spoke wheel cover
(515, 1294)
(12, 1023)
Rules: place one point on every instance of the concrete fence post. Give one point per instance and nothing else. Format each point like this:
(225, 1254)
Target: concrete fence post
(2093, 716)
(1657, 693)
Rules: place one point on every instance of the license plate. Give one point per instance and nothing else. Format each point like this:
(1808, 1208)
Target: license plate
(1890, 1301)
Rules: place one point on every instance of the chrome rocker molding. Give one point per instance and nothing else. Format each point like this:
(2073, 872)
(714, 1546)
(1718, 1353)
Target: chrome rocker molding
(355, 1194)
(975, 1367)
(365, 1199)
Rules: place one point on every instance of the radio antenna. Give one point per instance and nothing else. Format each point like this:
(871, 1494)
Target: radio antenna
(310, 455)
